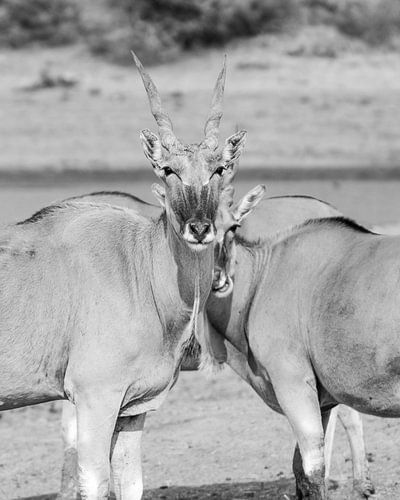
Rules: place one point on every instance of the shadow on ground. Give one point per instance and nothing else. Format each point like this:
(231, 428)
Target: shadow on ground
(225, 491)
(279, 489)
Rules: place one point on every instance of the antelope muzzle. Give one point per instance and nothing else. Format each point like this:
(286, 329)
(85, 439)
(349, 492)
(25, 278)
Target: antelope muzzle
(199, 232)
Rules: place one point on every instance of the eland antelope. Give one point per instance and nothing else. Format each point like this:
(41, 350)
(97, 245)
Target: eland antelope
(314, 312)
(99, 303)
(269, 216)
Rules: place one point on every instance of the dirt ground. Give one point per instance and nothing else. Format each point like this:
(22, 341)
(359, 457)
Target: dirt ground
(308, 100)
(213, 438)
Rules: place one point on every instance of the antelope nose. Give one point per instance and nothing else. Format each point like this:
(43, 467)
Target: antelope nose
(199, 229)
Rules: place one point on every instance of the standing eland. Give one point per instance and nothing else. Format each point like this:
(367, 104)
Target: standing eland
(314, 311)
(270, 215)
(98, 303)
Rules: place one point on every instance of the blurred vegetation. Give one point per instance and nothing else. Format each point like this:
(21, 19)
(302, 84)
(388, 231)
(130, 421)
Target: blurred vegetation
(377, 22)
(52, 22)
(161, 29)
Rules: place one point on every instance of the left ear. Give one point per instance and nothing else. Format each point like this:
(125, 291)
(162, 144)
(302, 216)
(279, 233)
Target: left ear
(233, 148)
(159, 193)
(152, 148)
(248, 203)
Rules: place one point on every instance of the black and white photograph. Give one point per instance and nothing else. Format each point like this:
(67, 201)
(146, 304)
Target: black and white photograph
(199, 249)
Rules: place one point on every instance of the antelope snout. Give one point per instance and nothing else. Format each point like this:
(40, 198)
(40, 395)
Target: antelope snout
(199, 231)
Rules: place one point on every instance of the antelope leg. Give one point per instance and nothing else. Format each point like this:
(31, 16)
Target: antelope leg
(329, 437)
(298, 399)
(69, 475)
(126, 465)
(96, 418)
(352, 423)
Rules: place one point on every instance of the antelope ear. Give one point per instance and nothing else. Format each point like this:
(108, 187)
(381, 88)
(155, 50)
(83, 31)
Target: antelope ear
(248, 202)
(152, 147)
(159, 193)
(233, 148)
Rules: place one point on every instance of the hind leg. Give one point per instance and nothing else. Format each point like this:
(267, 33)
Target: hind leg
(329, 437)
(352, 423)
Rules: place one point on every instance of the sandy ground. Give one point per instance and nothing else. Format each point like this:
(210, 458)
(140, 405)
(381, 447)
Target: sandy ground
(213, 438)
(306, 101)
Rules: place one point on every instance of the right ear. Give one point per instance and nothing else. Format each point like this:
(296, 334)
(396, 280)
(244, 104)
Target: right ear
(248, 203)
(232, 150)
(152, 148)
(159, 193)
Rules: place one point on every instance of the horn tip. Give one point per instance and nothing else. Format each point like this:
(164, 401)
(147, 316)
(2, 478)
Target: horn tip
(139, 65)
(224, 63)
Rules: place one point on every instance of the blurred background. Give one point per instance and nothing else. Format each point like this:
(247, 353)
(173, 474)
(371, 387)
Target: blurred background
(317, 85)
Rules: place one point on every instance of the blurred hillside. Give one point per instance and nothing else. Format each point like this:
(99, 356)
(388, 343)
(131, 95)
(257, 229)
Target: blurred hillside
(316, 83)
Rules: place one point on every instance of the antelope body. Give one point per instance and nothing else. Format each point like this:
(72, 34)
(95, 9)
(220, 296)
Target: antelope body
(320, 327)
(98, 303)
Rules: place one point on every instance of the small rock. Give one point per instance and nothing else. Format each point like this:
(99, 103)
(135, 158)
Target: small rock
(370, 458)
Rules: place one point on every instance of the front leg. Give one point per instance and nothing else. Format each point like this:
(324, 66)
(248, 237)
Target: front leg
(126, 464)
(96, 418)
(297, 395)
(298, 470)
(69, 476)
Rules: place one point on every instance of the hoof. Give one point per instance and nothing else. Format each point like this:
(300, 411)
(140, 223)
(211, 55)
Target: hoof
(363, 489)
(71, 495)
(307, 491)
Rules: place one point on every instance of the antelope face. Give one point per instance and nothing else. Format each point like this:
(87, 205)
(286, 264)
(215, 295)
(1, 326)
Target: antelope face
(228, 220)
(193, 177)
(193, 174)
(193, 181)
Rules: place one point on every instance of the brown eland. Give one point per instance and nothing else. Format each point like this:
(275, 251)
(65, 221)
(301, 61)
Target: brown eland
(99, 303)
(318, 326)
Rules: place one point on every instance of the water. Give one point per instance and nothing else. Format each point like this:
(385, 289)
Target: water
(369, 201)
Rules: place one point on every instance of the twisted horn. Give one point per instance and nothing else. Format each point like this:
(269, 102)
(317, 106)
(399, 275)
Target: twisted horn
(211, 128)
(164, 123)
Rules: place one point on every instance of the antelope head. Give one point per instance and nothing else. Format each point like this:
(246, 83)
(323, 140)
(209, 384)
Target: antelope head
(193, 175)
(229, 219)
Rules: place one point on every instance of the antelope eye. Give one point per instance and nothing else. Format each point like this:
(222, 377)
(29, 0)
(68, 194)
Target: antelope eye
(168, 171)
(219, 171)
(233, 228)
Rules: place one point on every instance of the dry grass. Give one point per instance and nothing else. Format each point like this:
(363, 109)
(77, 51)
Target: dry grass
(299, 109)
